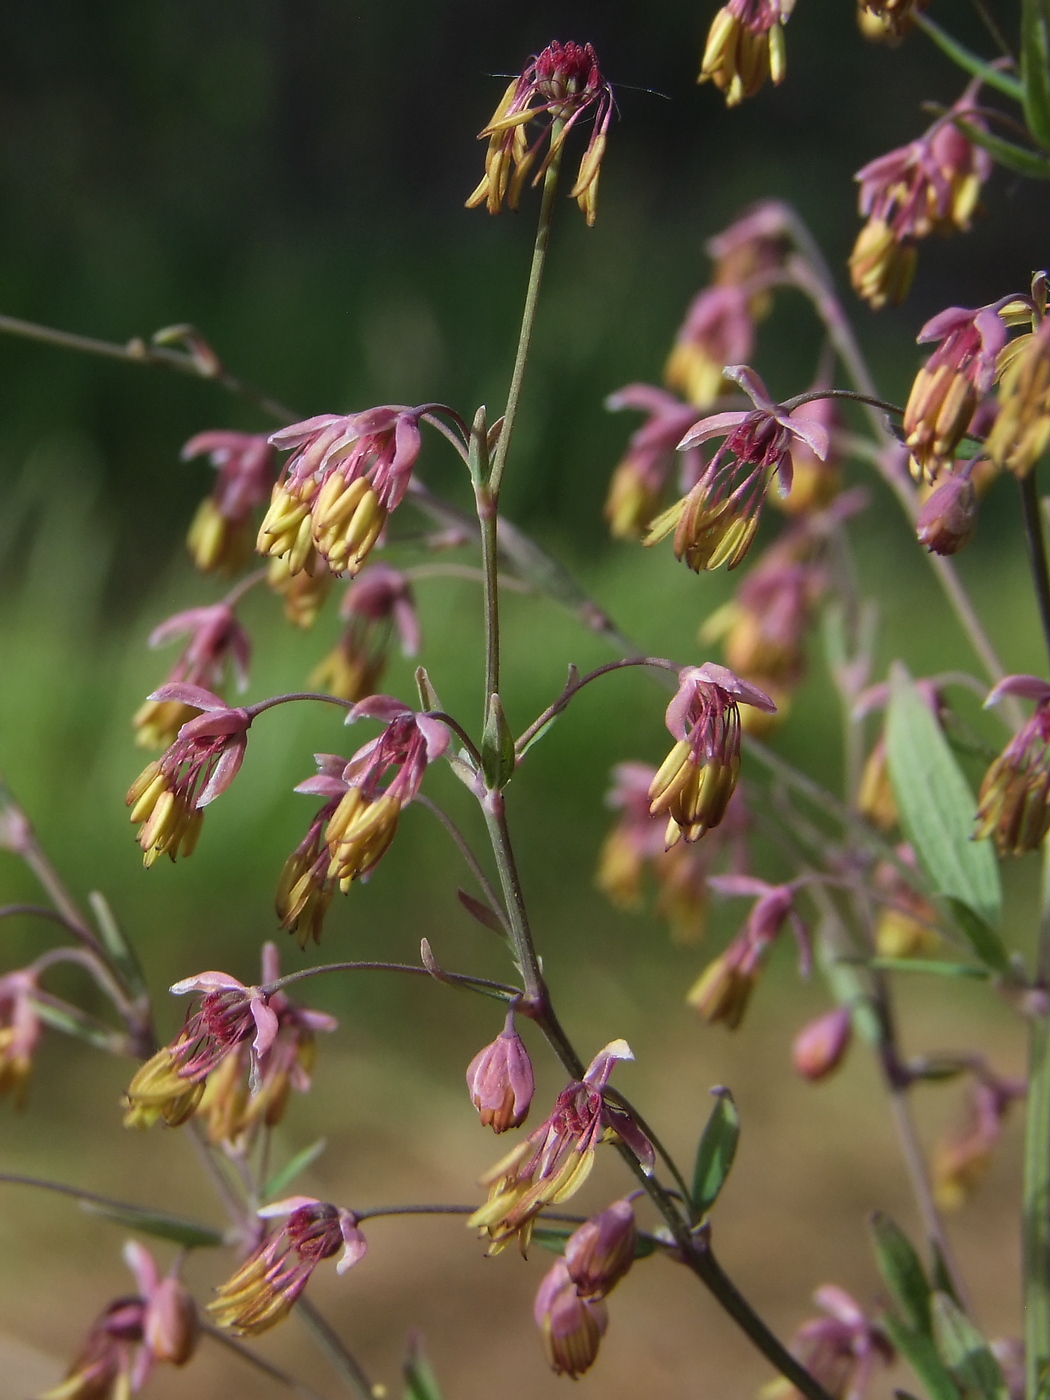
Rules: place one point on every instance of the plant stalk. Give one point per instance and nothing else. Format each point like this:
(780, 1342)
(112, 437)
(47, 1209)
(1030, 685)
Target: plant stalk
(1035, 541)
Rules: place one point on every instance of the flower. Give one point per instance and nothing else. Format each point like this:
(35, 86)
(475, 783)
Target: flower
(961, 1158)
(262, 1291)
(554, 1161)
(718, 330)
(1013, 806)
(930, 185)
(749, 249)
(715, 523)
(815, 480)
(500, 1082)
(216, 641)
(600, 1252)
(220, 536)
(20, 1030)
(1021, 432)
(906, 922)
(638, 481)
(696, 780)
(562, 83)
(571, 1326)
(947, 518)
(888, 19)
(303, 592)
(948, 388)
(745, 46)
(840, 1350)
(820, 1047)
(378, 599)
(724, 988)
(119, 1352)
(168, 797)
(346, 474)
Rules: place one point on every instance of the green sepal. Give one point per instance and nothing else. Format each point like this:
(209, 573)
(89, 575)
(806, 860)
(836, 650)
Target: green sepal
(420, 1381)
(478, 449)
(902, 1272)
(921, 1355)
(161, 1226)
(274, 1188)
(715, 1153)
(1016, 158)
(965, 1352)
(1035, 68)
(497, 746)
(936, 805)
(428, 696)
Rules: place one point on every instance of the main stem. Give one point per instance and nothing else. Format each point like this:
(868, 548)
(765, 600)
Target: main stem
(1035, 1226)
(1035, 540)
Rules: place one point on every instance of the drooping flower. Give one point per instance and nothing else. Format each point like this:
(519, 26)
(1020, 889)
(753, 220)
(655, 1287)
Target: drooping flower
(168, 797)
(906, 924)
(931, 185)
(888, 20)
(1013, 806)
(560, 85)
(696, 779)
(220, 535)
(815, 480)
(599, 1253)
(745, 46)
(947, 518)
(715, 523)
(638, 481)
(962, 1156)
(821, 1045)
(571, 1326)
(951, 384)
(346, 474)
(379, 600)
(749, 250)
(303, 592)
(500, 1080)
(20, 1031)
(217, 643)
(118, 1354)
(724, 988)
(718, 330)
(263, 1290)
(840, 1350)
(1021, 432)
(552, 1163)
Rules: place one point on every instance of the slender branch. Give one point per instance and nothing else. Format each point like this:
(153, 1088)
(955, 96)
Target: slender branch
(1036, 1199)
(576, 683)
(457, 978)
(661, 1150)
(39, 911)
(260, 1363)
(991, 24)
(472, 862)
(1035, 540)
(256, 710)
(245, 585)
(234, 1208)
(84, 957)
(969, 62)
(91, 1197)
(137, 352)
(328, 1340)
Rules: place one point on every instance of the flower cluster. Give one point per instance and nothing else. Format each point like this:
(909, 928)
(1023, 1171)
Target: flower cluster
(379, 599)
(217, 643)
(1013, 807)
(962, 1156)
(562, 84)
(745, 46)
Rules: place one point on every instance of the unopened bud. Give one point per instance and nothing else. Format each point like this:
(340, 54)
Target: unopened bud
(599, 1253)
(571, 1326)
(170, 1329)
(820, 1047)
(948, 518)
(500, 1082)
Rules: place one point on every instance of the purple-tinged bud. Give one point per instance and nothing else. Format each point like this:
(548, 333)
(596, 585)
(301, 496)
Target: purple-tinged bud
(171, 1326)
(598, 1254)
(820, 1047)
(1013, 805)
(948, 518)
(572, 1327)
(500, 1082)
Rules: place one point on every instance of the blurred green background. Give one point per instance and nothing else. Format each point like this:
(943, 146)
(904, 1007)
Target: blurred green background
(290, 177)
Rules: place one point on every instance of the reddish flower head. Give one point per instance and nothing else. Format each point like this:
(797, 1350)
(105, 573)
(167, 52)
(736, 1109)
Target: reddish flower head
(217, 643)
(599, 1253)
(842, 1349)
(639, 479)
(220, 536)
(820, 1047)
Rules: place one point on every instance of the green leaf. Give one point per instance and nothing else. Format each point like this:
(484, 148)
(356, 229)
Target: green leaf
(902, 1271)
(929, 965)
(72, 1022)
(1035, 68)
(188, 1233)
(124, 957)
(497, 746)
(921, 1355)
(1016, 158)
(936, 805)
(420, 1381)
(965, 1352)
(275, 1187)
(981, 937)
(714, 1155)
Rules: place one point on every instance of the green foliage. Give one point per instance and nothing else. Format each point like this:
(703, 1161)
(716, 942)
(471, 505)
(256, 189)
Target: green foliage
(715, 1153)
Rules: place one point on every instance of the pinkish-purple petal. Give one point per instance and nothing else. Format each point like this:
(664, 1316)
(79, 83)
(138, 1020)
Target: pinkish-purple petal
(752, 386)
(381, 707)
(812, 433)
(1023, 687)
(225, 770)
(194, 695)
(214, 724)
(266, 1024)
(717, 425)
(207, 982)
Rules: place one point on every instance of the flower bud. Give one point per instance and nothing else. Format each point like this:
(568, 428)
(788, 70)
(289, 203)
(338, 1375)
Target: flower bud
(170, 1328)
(572, 1327)
(500, 1082)
(948, 518)
(820, 1047)
(599, 1253)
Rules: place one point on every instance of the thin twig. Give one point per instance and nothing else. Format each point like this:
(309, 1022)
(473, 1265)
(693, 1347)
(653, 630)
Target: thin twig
(260, 1363)
(472, 862)
(328, 1340)
(1035, 541)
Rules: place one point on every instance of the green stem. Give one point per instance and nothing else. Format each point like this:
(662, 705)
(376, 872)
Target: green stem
(260, 1363)
(969, 62)
(1036, 1204)
(1036, 543)
(329, 1341)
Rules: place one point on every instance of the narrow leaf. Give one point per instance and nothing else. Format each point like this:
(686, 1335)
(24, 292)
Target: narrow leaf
(428, 696)
(275, 1187)
(714, 1155)
(981, 937)
(420, 1381)
(124, 957)
(902, 1271)
(72, 1022)
(1016, 158)
(497, 746)
(965, 1352)
(929, 965)
(1035, 68)
(968, 61)
(921, 1356)
(153, 1222)
(477, 910)
(936, 805)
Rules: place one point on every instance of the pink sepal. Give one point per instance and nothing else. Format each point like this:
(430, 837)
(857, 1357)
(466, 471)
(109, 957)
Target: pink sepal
(286, 1206)
(194, 695)
(265, 1025)
(599, 1069)
(213, 724)
(207, 982)
(142, 1264)
(1023, 687)
(322, 786)
(717, 425)
(355, 1246)
(436, 735)
(745, 885)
